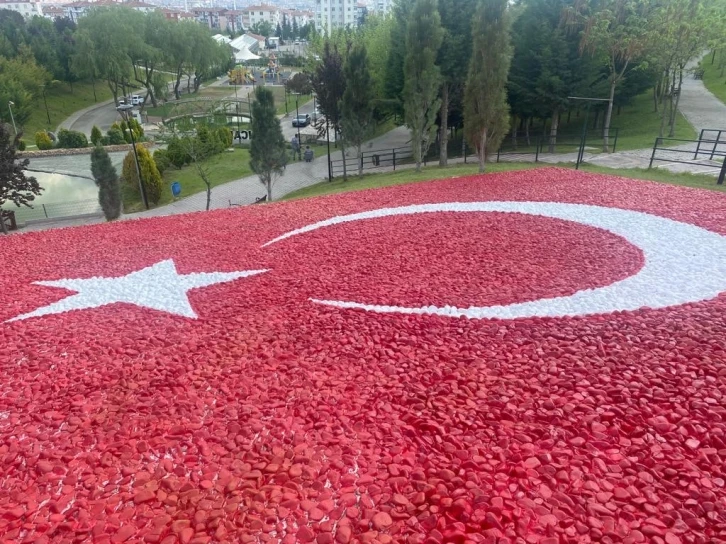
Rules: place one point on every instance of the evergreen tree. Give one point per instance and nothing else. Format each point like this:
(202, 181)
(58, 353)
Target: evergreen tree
(329, 85)
(295, 29)
(453, 57)
(96, 135)
(393, 84)
(422, 76)
(15, 186)
(268, 150)
(109, 188)
(357, 100)
(486, 112)
(149, 174)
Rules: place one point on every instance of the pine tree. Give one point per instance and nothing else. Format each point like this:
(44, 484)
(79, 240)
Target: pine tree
(96, 135)
(15, 186)
(109, 188)
(486, 112)
(357, 100)
(268, 150)
(422, 76)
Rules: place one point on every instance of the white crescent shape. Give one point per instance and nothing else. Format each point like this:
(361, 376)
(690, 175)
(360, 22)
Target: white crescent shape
(683, 263)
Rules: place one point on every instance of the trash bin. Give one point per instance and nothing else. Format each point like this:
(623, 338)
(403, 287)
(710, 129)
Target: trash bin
(9, 218)
(176, 189)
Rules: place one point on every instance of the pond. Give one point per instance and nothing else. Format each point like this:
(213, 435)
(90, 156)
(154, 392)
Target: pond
(62, 196)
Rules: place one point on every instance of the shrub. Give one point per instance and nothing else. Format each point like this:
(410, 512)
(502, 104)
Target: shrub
(21, 145)
(71, 139)
(225, 136)
(177, 154)
(96, 135)
(161, 158)
(149, 172)
(105, 141)
(115, 136)
(43, 141)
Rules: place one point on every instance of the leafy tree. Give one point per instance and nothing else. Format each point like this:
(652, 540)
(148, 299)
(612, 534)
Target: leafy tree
(486, 112)
(268, 150)
(115, 136)
(423, 77)
(617, 30)
(300, 83)
(263, 28)
(329, 85)
(109, 189)
(149, 174)
(453, 56)
(96, 135)
(15, 186)
(357, 100)
(71, 139)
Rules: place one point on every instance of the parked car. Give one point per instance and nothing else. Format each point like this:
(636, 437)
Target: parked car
(137, 100)
(301, 120)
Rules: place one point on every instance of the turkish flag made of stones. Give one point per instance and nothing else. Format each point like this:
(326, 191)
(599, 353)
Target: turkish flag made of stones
(535, 356)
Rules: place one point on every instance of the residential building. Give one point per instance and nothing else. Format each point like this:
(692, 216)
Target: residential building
(25, 8)
(177, 15)
(76, 10)
(380, 6)
(256, 14)
(361, 11)
(211, 17)
(331, 14)
(235, 21)
(300, 17)
(52, 12)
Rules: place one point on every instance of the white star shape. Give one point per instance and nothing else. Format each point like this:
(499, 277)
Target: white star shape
(159, 287)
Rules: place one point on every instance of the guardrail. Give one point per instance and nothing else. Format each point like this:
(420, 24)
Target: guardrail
(57, 210)
(709, 163)
(717, 140)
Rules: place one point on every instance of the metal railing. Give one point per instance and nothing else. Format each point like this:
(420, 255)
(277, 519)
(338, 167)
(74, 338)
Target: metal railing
(507, 152)
(709, 163)
(56, 210)
(713, 135)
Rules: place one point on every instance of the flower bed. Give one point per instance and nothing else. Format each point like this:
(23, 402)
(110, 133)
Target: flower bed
(327, 370)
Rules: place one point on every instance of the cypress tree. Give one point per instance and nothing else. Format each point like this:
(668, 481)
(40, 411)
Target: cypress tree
(109, 188)
(268, 150)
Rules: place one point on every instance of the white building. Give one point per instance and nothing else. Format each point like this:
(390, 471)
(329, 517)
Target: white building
(380, 6)
(76, 10)
(26, 9)
(331, 14)
(256, 14)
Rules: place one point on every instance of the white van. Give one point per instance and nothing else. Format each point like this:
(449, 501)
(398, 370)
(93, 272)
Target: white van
(137, 100)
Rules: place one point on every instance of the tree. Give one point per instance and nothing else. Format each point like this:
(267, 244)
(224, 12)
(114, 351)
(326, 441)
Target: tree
(486, 112)
(96, 135)
(423, 77)
(618, 30)
(453, 56)
(263, 28)
(300, 83)
(393, 86)
(149, 174)
(15, 186)
(109, 189)
(268, 150)
(329, 85)
(357, 100)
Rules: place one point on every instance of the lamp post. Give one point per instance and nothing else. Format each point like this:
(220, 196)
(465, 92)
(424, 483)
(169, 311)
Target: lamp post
(287, 113)
(47, 113)
(12, 117)
(327, 135)
(236, 109)
(589, 101)
(125, 111)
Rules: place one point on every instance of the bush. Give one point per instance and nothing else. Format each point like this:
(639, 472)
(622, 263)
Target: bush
(105, 141)
(177, 154)
(96, 135)
(71, 139)
(161, 158)
(225, 137)
(43, 141)
(153, 183)
(115, 136)
(21, 145)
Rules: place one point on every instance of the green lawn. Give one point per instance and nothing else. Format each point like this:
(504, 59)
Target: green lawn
(638, 125)
(62, 102)
(372, 181)
(225, 167)
(714, 78)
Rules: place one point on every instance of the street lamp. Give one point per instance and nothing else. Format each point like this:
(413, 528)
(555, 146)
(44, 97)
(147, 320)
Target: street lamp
(581, 151)
(297, 119)
(236, 109)
(125, 111)
(47, 113)
(12, 117)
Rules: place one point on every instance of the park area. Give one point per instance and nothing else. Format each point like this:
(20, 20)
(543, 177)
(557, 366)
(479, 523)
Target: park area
(533, 356)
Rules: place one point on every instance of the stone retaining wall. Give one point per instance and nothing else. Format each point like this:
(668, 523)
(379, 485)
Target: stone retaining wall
(58, 152)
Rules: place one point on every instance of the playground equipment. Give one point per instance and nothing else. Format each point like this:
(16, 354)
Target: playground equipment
(241, 75)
